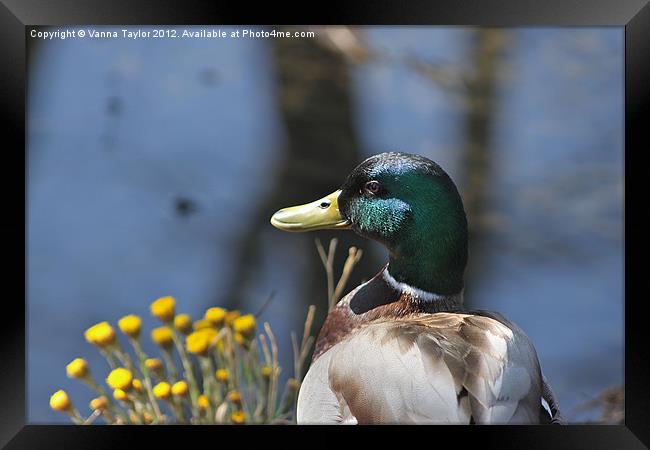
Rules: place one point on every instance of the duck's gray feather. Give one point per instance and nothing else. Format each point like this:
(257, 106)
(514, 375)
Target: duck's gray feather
(433, 368)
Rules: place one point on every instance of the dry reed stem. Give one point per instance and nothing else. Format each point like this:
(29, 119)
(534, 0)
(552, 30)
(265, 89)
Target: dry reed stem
(275, 373)
(354, 256)
(91, 418)
(328, 261)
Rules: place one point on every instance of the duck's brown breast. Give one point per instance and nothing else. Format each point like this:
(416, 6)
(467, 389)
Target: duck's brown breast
(372, 301)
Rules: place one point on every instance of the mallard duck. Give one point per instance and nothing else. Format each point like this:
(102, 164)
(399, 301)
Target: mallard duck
(400, 348)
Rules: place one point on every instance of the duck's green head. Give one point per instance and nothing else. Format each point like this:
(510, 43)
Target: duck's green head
(406, 202)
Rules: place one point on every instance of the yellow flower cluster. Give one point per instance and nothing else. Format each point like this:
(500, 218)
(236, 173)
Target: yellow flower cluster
(147, 388)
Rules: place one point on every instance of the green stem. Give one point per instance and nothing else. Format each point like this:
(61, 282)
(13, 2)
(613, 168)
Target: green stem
(147, 379)
(109, 357)
(222, 364)
(189, 373)
(177, 406)
(210, 386)
(171, 367)
(125, 359)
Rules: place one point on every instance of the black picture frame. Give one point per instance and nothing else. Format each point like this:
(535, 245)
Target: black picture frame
(17, 15)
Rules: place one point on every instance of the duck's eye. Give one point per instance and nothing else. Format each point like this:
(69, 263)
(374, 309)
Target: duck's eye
(372, 187)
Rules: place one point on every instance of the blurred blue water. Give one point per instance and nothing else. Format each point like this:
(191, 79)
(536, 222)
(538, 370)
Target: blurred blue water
(119, 131)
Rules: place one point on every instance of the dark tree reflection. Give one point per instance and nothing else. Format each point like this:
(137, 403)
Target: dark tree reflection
(488, 49)
(314, 98)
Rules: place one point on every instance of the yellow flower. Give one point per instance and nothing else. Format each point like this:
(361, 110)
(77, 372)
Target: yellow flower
(162, 336)
(148, 418)
(130, 325)
(120, 378)
(183, 323)
(293, 384)
(100, 402)
(238, 417)
(78, 368)
(199, 341)
(119, 394)
(216, 315)
(222, 375)
(163, 308)
(203, 402)
(239, 338)
(231, 316)
(100, 334)
(59, 401)
(180, 388)
(266, 371)
(137, 385)
(210, 333)
(202, 324)
(234, 396)
(153, 364)
(244, 325)
(162, 390)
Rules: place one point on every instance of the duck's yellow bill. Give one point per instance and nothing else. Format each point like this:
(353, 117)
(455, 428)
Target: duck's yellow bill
(318, 215)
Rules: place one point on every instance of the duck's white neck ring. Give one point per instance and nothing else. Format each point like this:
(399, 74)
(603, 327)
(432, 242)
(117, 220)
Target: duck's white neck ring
(420, 294)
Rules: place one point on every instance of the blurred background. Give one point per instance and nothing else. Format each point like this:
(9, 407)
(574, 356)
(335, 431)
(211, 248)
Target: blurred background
(154, 166)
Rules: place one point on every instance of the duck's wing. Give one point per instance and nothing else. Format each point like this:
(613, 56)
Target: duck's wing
(556, 416)
(438, 368)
